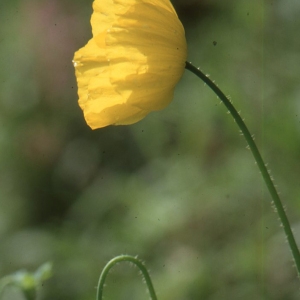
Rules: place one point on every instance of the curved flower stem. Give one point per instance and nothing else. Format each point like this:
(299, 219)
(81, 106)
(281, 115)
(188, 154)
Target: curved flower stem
(261, 165)
(131, 259)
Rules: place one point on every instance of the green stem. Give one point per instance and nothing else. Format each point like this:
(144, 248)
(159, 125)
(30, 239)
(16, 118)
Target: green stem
(260, 163)
(122, 258)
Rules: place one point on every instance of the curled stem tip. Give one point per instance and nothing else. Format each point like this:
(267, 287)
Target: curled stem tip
(257, 156)
(133, 260)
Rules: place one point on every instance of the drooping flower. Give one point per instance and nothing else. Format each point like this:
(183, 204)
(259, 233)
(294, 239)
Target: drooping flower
(132, 63)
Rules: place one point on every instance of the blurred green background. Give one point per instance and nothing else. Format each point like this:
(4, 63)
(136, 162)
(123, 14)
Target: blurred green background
(179, 189)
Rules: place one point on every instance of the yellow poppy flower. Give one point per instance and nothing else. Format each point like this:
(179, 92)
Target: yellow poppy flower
(132, 63)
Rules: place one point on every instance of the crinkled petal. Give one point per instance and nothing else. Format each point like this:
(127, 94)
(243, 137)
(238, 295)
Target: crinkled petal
(101, 104)
(103, 16)
(147, 52)
(133, 62)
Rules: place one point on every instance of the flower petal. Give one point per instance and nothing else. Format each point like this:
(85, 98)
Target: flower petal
(147, 54)
(103, 16)
(133, 62)
(98, 98)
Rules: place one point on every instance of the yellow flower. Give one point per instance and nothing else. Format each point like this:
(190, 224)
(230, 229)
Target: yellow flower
(132, 63)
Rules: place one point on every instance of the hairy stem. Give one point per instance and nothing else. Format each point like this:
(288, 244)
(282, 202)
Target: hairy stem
(133, 260)
(260, 163)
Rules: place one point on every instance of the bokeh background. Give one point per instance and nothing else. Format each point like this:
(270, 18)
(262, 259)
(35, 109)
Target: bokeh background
(179, 189)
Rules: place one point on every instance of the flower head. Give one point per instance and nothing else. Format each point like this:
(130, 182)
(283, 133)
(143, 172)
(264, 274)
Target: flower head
(132, 63)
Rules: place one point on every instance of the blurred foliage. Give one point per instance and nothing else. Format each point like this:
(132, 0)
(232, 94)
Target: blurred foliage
(178, 188)
(26, 282)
